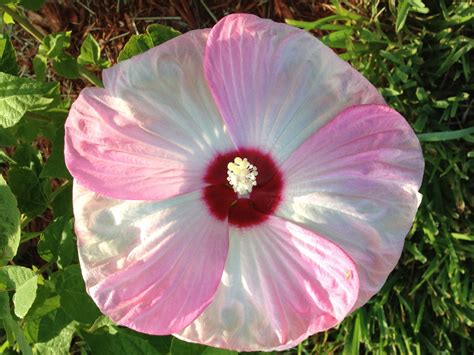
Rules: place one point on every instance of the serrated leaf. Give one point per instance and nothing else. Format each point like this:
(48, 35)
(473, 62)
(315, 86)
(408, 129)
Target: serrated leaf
(31, 194)
(161, 33)
(18, 95)
(7, 56)
(66, 66)
(10, 230)
(33, 5)
(74, 299)
(136, 44)
(57, 242)
(90, 51)
(25, 283)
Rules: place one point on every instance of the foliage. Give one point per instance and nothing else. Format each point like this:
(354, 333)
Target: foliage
(416, 53)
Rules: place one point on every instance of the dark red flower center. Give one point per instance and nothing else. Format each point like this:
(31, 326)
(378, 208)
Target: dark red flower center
(224, 203)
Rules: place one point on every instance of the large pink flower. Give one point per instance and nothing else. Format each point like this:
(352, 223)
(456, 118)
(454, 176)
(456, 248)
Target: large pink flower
(259, 253)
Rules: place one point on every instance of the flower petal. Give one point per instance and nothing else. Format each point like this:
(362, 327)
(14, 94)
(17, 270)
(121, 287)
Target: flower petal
(355, 181)
(150, 266)
(151, 132)
(281, 284)
(275, 85)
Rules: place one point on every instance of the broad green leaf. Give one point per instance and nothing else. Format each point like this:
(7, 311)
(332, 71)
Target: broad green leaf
(7, 137)
(4, 305)
(136, 44)
(7, 56)
(90, 51)
(58, 345)
(46, 327)
(55, 165)
(9, 223)
(25, 283)
(24, 296)
(161, 33)
(74, 299)
(66, 66)
(18, 95)
(33, 5)
(62, 201)
(31, 194)
(55, 44)
(119, 343)
(57, 243)
(179, 347)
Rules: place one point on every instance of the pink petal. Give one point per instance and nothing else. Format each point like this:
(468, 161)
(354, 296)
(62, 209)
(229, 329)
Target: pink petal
(355, 181)
(150, 266)
(281, 284)
(152, 131)
(275, 85)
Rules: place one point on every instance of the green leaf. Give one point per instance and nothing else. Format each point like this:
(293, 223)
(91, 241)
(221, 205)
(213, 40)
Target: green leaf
(57, 243)
(7, 56)
(215, 351)
(10, 230)
(13, 328)
(58, 345)
(18, 95)
(136, 44)
(25, 283)
(40, 67)
(66, 66)
(4, 305)
(55, 44)
(161, 33)
(155, 35)
(179, 347)
(33, 5)
(402, 13)
(74, 299)
(55, 165)
(90, 51)
(29, 191)
(119, 343)
(445, 136)
(62, 201)
(7, 137)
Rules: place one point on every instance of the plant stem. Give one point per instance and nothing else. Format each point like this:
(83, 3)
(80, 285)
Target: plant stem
(88, 75)
(32, 30)
(23, 22)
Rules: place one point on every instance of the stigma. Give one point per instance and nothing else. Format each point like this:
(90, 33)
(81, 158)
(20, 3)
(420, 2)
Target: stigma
(242, 176)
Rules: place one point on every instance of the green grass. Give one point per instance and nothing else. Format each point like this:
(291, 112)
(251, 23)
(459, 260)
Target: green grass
(419, 58)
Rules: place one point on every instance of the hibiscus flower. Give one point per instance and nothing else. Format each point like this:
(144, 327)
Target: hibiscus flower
(240, 187)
